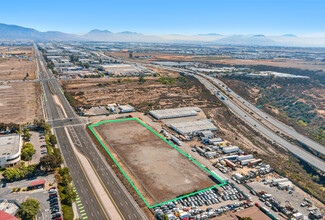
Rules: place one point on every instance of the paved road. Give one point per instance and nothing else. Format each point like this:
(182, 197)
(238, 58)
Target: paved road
(294, 149)
(56, 118)
(284, 128)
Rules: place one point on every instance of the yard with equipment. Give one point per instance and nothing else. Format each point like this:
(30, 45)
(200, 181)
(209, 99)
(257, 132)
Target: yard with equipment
(159, 171)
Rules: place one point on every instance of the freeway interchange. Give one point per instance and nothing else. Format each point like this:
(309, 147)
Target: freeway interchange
(66, 124)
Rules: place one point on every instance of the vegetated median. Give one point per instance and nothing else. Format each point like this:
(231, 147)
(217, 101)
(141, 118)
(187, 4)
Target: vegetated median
(155, 168)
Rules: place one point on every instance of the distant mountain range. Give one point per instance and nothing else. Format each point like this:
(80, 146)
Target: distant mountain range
(14, 32)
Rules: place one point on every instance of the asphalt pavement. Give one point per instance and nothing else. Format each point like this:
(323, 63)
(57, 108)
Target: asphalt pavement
(56, 118)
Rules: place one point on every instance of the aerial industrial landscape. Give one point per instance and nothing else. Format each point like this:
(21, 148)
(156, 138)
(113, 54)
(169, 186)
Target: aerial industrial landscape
(124, 125)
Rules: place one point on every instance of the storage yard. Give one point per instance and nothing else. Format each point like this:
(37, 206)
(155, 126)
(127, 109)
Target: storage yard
(156, 168)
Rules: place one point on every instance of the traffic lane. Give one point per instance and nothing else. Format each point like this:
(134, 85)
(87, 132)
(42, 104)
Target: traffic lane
(304, 155)
(129, 206)
(88, 199)
(114, 188)
(287, 129)
(92, 208)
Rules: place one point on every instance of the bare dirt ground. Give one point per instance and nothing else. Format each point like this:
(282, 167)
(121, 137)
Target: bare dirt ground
(280, 62)
(20, 102)
(13, 68)
(146, 96)
(161, 169)
(276, 62)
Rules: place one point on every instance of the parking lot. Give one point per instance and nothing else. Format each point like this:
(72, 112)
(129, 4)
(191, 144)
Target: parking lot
(39, 194)
(38, 141)
(207, 204)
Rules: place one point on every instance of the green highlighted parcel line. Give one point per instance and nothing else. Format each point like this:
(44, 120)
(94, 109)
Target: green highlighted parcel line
(127, 119)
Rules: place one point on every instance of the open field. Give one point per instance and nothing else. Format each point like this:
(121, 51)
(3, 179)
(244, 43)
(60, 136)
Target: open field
(20, 102)
(159, 171)
(147, 96)
(14, 68)
(222, 60)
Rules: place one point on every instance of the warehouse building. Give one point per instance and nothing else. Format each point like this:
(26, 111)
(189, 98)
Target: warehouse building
(193, 127)
(10, 149)
(174, 112)
(125, 108)
(122, 69)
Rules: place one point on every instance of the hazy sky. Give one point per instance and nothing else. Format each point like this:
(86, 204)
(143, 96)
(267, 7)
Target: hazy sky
(169, 16)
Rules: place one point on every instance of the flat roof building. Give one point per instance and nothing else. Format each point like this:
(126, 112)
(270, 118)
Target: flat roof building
(174, 112)
(10, 149)
(125, 108)
(193, 127)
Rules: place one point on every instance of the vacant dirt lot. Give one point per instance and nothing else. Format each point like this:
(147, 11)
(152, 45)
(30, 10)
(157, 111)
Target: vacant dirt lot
(20, 102)
(16, 68)
(161, 169)
(144, 97)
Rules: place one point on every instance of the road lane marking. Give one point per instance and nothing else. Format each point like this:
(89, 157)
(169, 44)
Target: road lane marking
(104, 185)
(91, 187)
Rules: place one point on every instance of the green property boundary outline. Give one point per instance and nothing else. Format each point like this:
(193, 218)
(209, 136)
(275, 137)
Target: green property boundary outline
(127, 119)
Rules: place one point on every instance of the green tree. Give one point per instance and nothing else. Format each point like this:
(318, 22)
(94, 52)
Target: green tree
(49, 162)
(246, 218)
(28, 209)
(141, 79)
(26, 134)
(12, 174)
(58, 156)
(52, 140)
(27, 152)
(70, 195)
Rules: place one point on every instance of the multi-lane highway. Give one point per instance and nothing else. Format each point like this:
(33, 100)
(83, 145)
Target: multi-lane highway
(269, 119)
(294, 149)
(62, 118)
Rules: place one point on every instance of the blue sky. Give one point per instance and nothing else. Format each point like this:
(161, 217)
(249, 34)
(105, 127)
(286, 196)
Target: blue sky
(169, 16)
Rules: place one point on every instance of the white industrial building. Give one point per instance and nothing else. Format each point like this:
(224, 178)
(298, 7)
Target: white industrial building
(175, 112)
(10, 149)
(121, 69)
(125, 108)
(193, 127)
